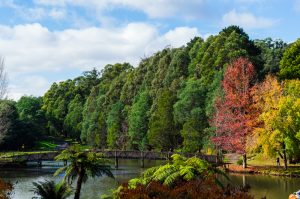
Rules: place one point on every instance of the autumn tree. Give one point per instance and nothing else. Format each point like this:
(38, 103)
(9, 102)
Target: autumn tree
(278, 132)
(231, 116)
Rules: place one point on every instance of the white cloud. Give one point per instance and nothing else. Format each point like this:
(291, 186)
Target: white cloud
(153, 8)
(33, 13)
(297, 5)
(51, 2)
(32, 48)
(179, 36)
(57, 13)
(247, 20)
(28, 85)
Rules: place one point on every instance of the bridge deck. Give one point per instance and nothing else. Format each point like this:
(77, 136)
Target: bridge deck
(150, 155)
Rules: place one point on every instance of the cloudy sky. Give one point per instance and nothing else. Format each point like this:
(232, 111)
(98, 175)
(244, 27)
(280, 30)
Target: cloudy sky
(46, 41)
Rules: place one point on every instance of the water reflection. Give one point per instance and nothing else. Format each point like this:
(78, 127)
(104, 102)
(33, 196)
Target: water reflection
(272, 187)
(92, 189)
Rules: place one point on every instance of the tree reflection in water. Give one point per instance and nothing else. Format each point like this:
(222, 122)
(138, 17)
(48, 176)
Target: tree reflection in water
(5, 189)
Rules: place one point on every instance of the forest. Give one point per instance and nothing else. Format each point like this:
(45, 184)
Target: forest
(226, 92)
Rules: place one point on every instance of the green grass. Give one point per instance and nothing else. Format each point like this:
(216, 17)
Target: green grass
(19, 153)
(7, 156)
(267, 165)
(291, 171)
(46, 145)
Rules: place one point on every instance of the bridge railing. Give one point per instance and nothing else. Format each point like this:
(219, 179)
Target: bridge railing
(153, 155)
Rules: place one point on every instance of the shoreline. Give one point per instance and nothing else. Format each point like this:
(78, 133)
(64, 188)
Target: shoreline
(292, 172)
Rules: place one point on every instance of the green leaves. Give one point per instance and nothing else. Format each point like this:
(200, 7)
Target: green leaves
(290, 62)
(82, 162)
(138, 121)
(279, 119)
(163, 133)
(50, 190)
(177, 170)
(113, 122)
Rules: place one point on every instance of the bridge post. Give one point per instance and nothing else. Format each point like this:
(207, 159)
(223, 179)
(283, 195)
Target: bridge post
(116, 160)
(39, 162)
(142, 159)
(168, 156)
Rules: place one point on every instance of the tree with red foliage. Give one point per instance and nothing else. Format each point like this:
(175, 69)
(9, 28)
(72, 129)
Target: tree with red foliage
(232, 118)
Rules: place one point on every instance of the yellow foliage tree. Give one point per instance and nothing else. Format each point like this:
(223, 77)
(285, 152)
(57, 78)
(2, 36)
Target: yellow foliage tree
(279, 122)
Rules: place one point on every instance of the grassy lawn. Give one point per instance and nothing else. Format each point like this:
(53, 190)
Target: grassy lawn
(262, 161)
(265, 165)
(17, 153)
(46, 145)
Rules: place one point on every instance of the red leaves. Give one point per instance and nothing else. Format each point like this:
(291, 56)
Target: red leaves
(199, 189)
(232, 116)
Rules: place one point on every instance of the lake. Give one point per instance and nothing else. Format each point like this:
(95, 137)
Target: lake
(273, 187)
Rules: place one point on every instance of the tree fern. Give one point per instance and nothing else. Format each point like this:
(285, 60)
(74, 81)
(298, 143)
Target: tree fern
(178, 169)
(50, 190)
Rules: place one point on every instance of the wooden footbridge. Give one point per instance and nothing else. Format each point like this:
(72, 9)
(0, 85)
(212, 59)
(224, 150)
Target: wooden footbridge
(115, 154)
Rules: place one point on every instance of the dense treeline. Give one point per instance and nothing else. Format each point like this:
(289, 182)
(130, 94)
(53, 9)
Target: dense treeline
(168, 102)
(21, 123)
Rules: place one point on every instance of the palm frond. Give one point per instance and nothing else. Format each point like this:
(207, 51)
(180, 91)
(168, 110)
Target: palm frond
(49, 190)
(60, 170)
(171, 178)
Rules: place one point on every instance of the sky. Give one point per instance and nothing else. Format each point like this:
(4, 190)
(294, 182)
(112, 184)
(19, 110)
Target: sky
(46, 41)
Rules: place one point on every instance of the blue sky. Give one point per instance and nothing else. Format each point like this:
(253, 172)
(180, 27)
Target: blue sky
(43, 41)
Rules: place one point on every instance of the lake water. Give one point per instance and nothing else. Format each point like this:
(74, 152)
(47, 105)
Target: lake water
(272, 187)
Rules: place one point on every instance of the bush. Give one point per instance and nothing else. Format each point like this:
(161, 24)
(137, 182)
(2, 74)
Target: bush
(198, 189)
(239, 162)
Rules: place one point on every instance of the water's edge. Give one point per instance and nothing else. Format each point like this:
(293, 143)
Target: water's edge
(273, 187)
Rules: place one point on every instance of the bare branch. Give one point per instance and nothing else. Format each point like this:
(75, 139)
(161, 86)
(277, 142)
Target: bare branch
(3, 80)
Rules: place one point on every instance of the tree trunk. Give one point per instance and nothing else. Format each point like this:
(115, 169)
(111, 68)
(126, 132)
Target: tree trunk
(78, 185)
(244, 161)
(284, 160)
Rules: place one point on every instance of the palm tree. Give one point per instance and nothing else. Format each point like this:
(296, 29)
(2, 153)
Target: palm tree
(50, 190)
(82, 164)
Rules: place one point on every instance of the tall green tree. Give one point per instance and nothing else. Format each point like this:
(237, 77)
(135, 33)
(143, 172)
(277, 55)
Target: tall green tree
(189, 112)
(58, 99)
(99, 103)
(163, 133)
(290, 62)
(73, 120)
(138, 121)
(30, 112)
(271, 54)
(114, 127)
